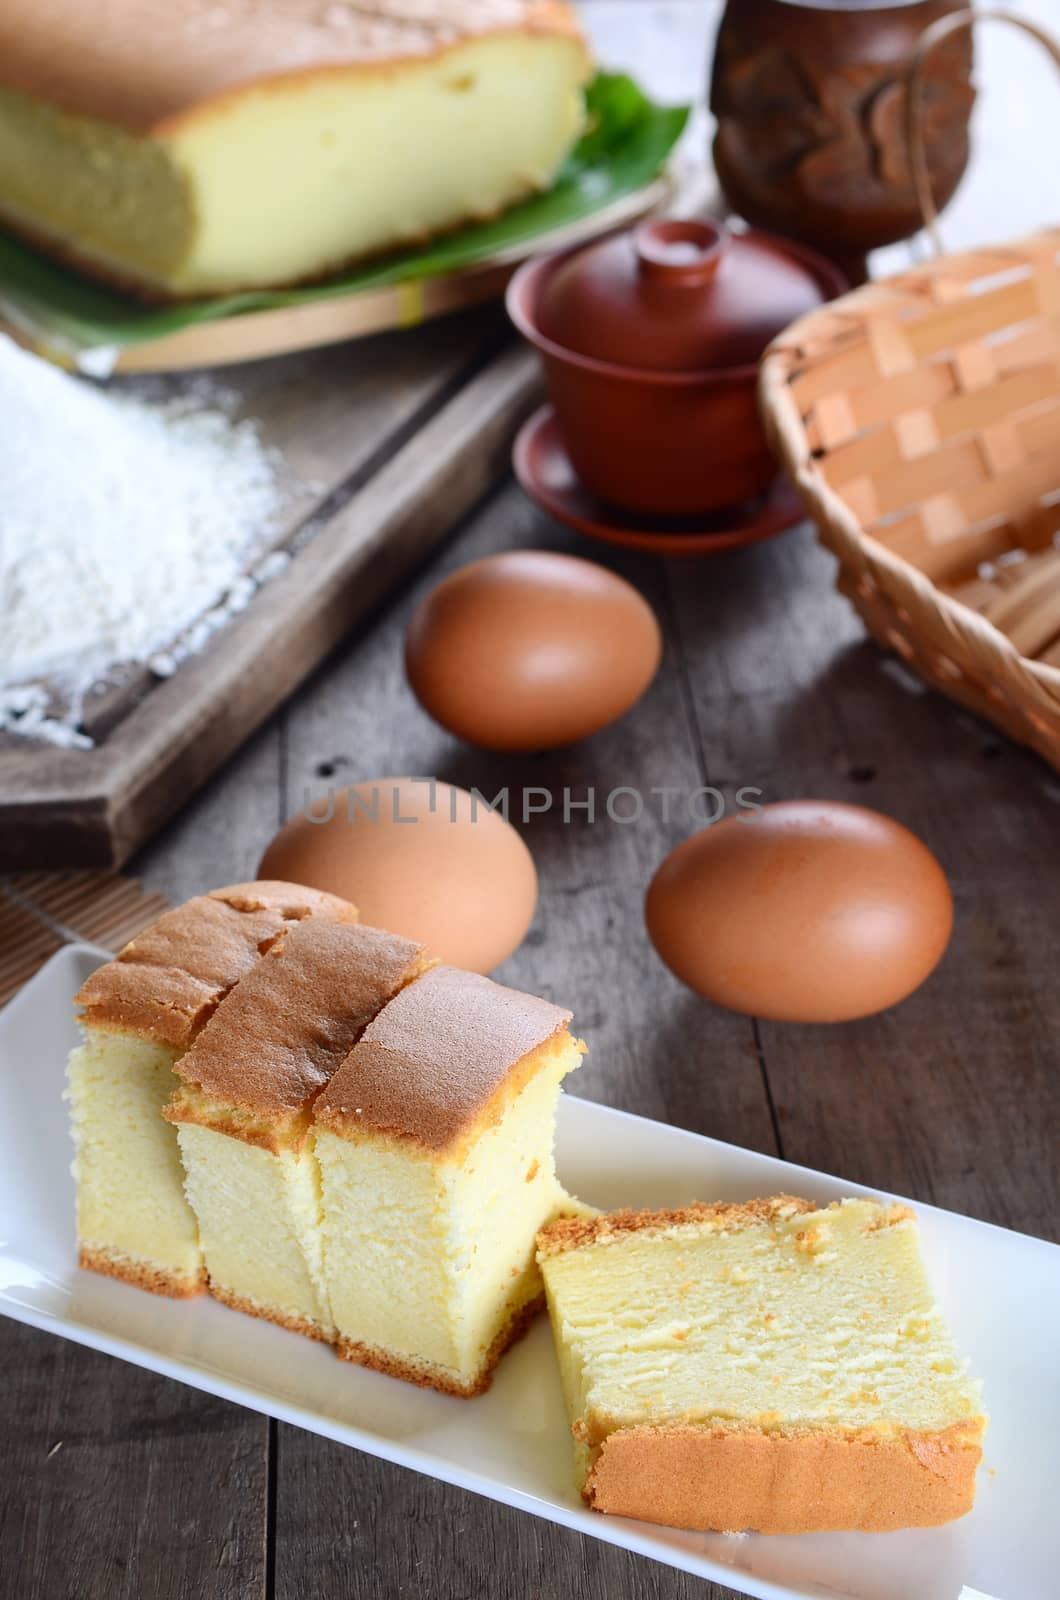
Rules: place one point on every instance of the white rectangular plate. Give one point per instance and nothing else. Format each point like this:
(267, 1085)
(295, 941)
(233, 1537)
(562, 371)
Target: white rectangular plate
(1000, 1290)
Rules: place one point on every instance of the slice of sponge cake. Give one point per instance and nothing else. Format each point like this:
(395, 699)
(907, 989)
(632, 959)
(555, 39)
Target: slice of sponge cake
(243, 1103)
(188, 147)
(435, 1147)
(139, 1013)
(764, 1366)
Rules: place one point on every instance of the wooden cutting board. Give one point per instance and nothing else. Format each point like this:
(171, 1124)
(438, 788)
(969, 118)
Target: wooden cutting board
(391, 440)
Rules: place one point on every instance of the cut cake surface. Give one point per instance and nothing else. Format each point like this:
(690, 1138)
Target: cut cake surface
(243, 1103)
(764, 1366)
(138, 1013)
(435, 1147)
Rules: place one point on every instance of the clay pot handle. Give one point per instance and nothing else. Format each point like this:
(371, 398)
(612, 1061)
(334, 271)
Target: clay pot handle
(680, 250)
(914, 126)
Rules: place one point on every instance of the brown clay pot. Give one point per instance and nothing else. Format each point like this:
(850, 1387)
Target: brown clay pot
(810, 98)
(650, 343)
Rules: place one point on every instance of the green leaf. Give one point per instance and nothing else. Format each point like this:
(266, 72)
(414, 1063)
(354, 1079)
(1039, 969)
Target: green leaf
(627, 140)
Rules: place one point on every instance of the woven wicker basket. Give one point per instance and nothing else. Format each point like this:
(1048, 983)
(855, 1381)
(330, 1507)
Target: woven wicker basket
(920, 420)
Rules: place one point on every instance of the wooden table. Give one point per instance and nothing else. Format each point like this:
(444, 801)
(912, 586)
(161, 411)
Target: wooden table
(119, 1485)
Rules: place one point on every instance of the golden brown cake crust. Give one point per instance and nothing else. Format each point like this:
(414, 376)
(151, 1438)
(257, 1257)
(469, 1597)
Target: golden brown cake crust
(284, 1319)
(429, 1064)
(280, 1034)
(151, 62)
(144, 1274)
(732, 1480)
(572, 1233)
(169, 980)
(293, 902)
(431, 1377)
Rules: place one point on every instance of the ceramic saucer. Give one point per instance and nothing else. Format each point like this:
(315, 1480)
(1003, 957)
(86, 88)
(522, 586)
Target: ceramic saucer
(543, 469)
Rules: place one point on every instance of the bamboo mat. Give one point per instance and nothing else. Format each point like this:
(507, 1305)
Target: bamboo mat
(42, 911)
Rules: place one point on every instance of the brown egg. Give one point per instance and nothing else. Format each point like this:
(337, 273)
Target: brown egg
(808, 911)
(419, 857)
(529, 650)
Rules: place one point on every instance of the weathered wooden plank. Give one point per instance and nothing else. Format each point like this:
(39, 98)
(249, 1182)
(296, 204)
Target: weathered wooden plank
(353, 1528)
(120, 1485)
(216, 838)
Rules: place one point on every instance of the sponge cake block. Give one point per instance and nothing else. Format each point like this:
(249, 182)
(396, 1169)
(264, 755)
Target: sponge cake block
(435, 1146)
(190, 148)
(243, 1103)
(764, 1366)
(139, 1013)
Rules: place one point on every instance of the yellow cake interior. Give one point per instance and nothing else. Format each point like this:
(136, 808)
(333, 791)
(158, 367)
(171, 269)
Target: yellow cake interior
(131, 1207)
(286, 179)
(806, 1322)
(139, 1015)
(259, 1217)
(243, 1107)
(429, 1256)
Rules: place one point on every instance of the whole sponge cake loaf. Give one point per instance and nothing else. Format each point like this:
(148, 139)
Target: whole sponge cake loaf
(183, 147)
(765, 1366)
(243, 1103)
(434, 1140)
(138, 1014)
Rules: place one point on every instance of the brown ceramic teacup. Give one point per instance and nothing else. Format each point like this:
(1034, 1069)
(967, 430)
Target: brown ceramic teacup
(650, 343)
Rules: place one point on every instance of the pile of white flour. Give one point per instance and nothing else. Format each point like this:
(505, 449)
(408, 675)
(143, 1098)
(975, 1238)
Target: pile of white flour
(129, 532)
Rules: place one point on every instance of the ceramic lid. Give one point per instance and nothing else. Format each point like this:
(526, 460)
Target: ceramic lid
(677, 296)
